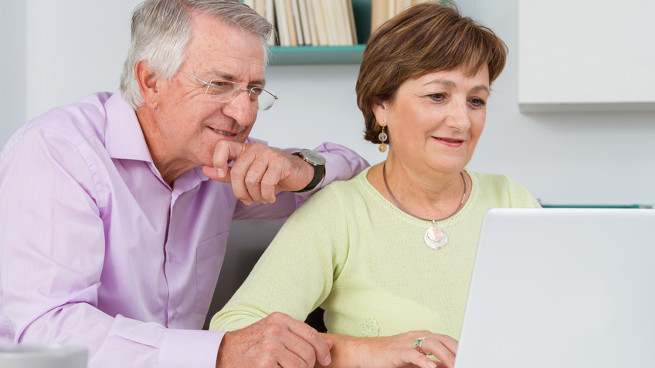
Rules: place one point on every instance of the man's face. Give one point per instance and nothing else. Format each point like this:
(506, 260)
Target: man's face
(191, 122)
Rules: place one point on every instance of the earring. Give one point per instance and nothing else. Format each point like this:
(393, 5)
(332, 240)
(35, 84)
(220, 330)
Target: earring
(383, 138)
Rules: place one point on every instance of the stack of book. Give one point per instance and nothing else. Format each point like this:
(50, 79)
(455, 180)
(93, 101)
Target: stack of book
(309, 22)
(383, 10)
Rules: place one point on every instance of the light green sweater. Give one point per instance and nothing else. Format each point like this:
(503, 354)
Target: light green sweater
(363, 260)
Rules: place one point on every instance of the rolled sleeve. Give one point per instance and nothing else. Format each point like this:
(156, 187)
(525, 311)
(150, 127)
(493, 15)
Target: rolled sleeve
(341, 163)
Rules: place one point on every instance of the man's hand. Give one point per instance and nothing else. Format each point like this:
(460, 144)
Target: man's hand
(258, 171)
(275, 341)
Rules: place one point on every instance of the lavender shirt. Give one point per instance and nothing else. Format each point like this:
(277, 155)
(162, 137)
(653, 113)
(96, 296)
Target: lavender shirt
(96, 249)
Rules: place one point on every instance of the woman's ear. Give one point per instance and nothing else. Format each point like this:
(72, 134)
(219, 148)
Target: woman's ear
(380, 109)
(148, 83)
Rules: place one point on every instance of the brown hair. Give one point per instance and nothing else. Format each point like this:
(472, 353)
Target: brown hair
(425, 38)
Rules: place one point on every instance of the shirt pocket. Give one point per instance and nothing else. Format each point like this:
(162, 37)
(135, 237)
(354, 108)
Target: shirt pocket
(209, 259)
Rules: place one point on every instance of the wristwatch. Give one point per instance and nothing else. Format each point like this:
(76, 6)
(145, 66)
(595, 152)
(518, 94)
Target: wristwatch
(318, 161)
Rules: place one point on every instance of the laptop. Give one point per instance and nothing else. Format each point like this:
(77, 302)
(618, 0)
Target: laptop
(562, 288)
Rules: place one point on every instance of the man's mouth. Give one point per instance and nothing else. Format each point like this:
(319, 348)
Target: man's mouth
(223, 132)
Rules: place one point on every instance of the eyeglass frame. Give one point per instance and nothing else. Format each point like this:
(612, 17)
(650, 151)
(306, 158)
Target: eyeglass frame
(237, 90)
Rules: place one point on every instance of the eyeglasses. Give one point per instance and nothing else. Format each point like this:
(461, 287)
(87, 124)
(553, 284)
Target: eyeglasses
(226, 91)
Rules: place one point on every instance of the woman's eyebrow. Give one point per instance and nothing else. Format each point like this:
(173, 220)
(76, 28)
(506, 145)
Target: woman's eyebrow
(441, 81)
(449, 83)
(480, 87)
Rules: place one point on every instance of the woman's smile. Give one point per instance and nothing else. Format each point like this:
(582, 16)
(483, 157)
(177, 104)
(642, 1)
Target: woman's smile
(452, 142)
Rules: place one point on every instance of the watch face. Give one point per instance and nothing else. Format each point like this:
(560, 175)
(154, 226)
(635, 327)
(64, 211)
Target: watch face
(312, 157)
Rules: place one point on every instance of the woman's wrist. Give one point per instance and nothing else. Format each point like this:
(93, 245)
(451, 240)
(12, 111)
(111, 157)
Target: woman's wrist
(349, 351)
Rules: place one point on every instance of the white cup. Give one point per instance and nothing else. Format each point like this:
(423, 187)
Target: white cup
(42, 356)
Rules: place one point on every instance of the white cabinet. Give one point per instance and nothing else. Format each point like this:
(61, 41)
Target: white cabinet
(583, 55)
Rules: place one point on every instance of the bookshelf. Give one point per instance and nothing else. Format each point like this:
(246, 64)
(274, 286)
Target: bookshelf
(314, 55)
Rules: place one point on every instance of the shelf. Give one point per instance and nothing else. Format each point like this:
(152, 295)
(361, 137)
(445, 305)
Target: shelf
(316, 55)
(572, 106)
(313, 55)
(595, 206)
(605, 65)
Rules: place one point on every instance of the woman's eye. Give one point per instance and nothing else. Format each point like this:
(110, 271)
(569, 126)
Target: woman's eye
(437, 97)
(477, 102)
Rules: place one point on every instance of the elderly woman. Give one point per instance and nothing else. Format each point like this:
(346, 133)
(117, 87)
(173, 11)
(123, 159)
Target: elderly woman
(388, 254)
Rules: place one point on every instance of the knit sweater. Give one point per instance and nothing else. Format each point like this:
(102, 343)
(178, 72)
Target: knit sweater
(363, 260)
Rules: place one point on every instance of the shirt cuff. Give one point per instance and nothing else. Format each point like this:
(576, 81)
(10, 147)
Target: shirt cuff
(189, 348)
(341, 163)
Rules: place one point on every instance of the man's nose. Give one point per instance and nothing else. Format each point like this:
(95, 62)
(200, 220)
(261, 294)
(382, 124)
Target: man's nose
(241, 108)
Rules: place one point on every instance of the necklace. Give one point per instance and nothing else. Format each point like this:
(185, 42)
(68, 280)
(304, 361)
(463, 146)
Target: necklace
(434, 237)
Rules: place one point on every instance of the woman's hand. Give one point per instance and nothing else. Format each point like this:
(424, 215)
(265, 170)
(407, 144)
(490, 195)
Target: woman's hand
(394, 351)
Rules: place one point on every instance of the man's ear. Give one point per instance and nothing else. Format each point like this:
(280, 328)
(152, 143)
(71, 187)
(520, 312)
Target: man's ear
(148, 83)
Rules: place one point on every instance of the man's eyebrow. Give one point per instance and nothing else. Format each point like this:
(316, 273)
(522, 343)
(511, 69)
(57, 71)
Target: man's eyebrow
(229, 77)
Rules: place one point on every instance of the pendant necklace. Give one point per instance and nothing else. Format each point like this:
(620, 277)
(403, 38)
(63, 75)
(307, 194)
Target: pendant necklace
(434, 237)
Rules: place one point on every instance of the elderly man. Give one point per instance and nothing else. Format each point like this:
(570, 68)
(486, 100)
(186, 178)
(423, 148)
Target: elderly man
(112, 231)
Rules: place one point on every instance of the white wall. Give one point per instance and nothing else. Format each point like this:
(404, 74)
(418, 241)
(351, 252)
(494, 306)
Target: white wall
(76, 47)
(12, 67)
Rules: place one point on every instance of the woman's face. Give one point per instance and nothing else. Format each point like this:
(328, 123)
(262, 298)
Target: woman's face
(434, 121)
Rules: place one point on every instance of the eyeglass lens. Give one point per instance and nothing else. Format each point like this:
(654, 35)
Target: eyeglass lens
(226, 91)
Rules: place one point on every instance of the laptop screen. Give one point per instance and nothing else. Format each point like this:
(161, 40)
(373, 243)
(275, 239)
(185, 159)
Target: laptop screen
(562, 288)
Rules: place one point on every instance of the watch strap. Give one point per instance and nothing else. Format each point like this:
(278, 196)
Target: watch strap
(319, 172)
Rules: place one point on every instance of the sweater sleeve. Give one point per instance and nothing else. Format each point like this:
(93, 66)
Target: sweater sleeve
(295, 274)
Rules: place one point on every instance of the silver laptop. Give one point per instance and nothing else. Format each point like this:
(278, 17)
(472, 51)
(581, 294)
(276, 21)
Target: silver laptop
(562, 288)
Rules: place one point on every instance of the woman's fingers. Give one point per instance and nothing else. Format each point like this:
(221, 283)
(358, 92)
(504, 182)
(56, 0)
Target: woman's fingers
(442, 347)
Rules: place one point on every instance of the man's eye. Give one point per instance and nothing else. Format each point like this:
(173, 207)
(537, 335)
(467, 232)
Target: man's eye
(219, 87)
(256, 91)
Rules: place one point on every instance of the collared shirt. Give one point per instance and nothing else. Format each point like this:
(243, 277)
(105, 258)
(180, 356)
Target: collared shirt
(96, 249)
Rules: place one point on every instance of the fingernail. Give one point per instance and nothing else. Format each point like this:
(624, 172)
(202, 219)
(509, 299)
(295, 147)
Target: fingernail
(220, 173)
(327, 360)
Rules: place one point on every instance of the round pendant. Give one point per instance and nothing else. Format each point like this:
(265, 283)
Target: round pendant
(435, 238)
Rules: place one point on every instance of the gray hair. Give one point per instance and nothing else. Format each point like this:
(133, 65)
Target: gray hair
(161, 30)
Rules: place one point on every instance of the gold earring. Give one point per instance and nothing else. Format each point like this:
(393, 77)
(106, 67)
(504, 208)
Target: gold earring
(383, 138)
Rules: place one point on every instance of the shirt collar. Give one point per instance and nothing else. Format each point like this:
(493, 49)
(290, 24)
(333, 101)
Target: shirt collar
(124, 140)
(123, 135)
